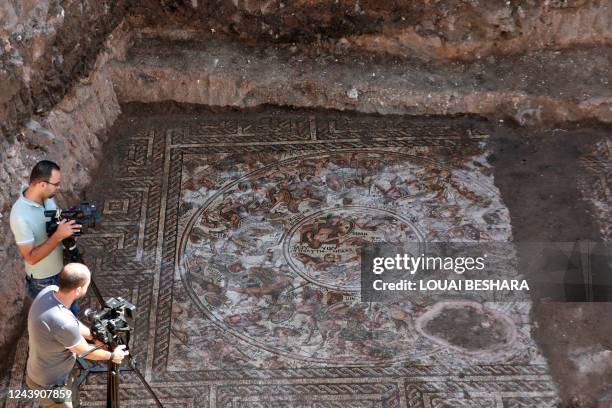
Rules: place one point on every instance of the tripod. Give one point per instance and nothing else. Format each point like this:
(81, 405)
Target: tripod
(113, 370)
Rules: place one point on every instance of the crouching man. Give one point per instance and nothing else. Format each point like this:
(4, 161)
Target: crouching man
(56, 337)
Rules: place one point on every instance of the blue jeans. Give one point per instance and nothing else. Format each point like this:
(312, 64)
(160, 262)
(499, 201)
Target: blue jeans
(34, 287)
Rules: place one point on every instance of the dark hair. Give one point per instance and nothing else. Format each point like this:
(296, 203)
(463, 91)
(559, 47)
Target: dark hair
(72, 278)
(42, 171)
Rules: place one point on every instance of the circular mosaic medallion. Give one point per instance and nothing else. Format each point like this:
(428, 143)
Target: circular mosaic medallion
(273, 256)
(324, 247)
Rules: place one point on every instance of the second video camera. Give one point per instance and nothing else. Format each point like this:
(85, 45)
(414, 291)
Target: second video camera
(111, 323)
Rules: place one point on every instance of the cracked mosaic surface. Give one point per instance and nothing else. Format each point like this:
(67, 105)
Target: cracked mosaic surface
(237, 237)
(596, 185)
(274, 256)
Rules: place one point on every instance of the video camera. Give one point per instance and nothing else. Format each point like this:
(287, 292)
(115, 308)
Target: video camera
(110, 325)
(85, 214)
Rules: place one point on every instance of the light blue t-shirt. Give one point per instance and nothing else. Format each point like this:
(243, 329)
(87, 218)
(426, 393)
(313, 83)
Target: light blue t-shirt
(28, 223)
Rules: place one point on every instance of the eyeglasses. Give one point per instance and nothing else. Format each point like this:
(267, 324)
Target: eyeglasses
(54, 184)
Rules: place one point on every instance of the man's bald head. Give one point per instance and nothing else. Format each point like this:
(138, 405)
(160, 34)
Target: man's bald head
(73, 275)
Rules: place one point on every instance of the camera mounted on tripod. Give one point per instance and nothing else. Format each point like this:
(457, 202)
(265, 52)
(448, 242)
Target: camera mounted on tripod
(110, 325)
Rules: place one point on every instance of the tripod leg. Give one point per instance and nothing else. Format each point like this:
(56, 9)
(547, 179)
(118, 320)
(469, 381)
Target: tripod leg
(76, 256)
(97, 293)
(143, 380)
(112, 386)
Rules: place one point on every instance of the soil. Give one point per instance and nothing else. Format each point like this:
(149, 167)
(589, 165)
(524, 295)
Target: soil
(44, 48)
(536, 172)
(440, 29)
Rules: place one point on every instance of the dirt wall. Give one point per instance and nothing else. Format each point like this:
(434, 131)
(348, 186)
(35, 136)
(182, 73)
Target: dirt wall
(69, 132)
(45, 45)
(443, 29)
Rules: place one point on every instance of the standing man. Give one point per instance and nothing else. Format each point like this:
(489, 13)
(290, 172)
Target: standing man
(56, 337)
(43, 255)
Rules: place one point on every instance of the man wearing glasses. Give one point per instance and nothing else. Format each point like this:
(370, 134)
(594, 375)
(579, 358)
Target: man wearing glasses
(43, 255)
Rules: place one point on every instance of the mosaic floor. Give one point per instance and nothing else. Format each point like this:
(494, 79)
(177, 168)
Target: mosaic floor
(596, 184)
(238, 235)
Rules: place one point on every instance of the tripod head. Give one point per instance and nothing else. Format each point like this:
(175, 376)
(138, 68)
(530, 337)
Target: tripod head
(110, 325)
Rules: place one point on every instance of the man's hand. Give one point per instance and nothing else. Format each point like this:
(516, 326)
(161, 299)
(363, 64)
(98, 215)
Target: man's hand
(66, 229)
(119, 353)
(99, 354)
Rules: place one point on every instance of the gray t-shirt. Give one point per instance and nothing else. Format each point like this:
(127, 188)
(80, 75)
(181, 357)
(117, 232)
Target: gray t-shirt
(52, 330)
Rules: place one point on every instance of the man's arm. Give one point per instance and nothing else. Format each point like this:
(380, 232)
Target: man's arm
(34, 254)
(83, 347)
(85, 332)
